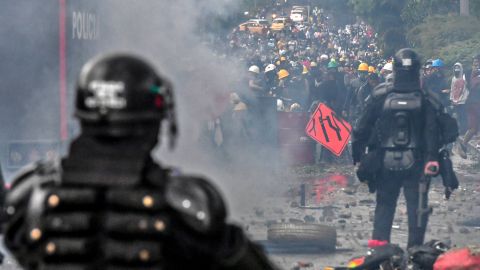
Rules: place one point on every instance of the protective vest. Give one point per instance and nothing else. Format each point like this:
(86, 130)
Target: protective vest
(61, 220)
(399, 129)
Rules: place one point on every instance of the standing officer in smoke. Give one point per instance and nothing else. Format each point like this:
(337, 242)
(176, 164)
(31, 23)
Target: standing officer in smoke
(396, 143)
(108, 205)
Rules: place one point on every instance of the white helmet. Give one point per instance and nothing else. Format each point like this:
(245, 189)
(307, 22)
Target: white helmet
(254, 69)
(280, 106)
(388, 66)
(324, 57)
(270, 67)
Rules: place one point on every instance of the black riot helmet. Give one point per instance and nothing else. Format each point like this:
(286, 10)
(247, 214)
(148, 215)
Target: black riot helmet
(406, 68)
(122, 95)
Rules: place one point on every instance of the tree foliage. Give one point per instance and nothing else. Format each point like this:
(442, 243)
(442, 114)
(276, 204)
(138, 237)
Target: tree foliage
(461, 51)
(415, 11)
(451, 38)
(433, 26)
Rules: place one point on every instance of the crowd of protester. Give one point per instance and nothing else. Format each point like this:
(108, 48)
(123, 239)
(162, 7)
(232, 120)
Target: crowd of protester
(314, 61)
(308, 62)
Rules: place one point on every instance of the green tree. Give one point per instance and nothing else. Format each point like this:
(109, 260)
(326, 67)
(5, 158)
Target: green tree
(415, 11)
(392, 19)
(452, 38)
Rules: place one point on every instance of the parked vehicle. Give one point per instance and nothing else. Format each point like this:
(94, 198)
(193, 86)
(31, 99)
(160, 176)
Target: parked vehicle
(280, 23)
(256, 26)
(298, 15)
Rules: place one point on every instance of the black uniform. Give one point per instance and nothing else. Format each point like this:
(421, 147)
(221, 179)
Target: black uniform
(108, 205)
(350, 103)
(393, 139)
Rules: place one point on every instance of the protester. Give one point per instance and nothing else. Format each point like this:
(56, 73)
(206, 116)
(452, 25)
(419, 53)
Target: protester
(473, 106)
(340, 66)
(458, 95)
(435, 82)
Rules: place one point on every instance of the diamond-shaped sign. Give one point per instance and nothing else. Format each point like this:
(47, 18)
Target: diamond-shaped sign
(330, 130)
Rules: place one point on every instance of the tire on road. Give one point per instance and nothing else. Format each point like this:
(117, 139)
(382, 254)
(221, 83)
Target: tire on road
(309, 234)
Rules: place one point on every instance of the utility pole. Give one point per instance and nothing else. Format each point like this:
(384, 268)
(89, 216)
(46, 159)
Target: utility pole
(464, 8)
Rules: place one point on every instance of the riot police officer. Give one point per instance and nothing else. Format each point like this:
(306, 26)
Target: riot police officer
(396, 145)
(108, 205)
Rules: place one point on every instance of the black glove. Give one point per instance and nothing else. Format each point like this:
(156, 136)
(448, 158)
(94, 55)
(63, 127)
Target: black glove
(450, 181)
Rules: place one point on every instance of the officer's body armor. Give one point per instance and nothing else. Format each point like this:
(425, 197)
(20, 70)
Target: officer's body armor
(400, 129)
(70, 220)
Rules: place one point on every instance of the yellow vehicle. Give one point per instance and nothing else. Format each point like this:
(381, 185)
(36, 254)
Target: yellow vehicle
(280, 23)
(254, 26)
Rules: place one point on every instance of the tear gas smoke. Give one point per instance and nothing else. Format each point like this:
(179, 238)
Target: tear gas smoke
(169, 35)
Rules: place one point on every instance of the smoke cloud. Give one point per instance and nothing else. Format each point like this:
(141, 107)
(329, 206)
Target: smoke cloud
(169, 35)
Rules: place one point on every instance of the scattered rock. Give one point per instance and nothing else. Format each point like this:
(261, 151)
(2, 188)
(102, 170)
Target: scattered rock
(328, 212)
(259, 212)
(294, 204)
(366, 202)
(270, 222)
(464, 231)
(309, 218)
(474, 222)
(450, 228)
(302, 265)
(295, 221)
(349, 190)
(345, 215)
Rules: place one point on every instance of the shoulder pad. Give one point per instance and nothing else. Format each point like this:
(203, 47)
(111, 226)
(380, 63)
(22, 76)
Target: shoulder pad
(35, 174)
(381, 90)
(198, 202)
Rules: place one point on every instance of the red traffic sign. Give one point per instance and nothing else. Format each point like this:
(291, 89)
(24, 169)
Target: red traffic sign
(328, 129)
